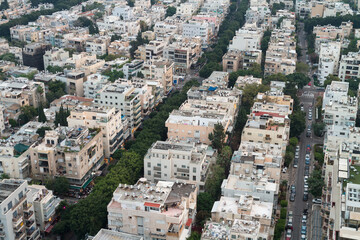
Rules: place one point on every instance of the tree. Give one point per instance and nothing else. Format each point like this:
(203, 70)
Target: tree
(4, 176)
(41, 114)
(4, 5)
(113, 74)
(213, 184)
(59, 185)
(13, 123)
(249, 93)
(276, 7)
(205, 202)
(41, 131)
(298, 123)
(170, 11)
(302, 67)
(8, 57)
(140, 75)
(224, 159)
(316, 183)
(217, 137)
(329, 79)
(194, 236)
(293, 141)
(319, 128)
(61, 117)
(54, 69)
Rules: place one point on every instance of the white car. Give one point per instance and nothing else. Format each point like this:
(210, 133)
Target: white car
(290, 222)
(316, 201)
(284, 170)
(304, 219)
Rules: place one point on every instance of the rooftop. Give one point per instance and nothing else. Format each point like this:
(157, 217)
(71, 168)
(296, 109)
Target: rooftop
(8, 186)
(106, 234)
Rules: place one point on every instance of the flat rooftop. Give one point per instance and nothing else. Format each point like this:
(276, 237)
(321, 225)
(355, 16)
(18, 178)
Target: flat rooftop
(8, 186)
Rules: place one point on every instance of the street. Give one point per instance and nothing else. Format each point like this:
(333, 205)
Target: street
(307, 97)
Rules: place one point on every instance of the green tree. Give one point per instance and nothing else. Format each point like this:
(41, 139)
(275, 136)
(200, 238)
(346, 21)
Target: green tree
(217, 137)
(329, 79)
(4, 5)
(60, 185)
(316, 183)
(302, 67)
(249, 93)
(276, 7)
(13, 123)
(4, 176)
(213, 184)
(224, 158)
(194, 236)
(293, 141)
(205, 202)
(61, 116)
(41, 131)
(54, 69)
(170, 11)
(8, 57)
(41, 114)
(319, 128)
(298, 123)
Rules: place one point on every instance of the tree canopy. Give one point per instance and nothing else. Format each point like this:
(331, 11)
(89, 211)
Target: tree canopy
(316, 183)
(217, 137)
(170, 11)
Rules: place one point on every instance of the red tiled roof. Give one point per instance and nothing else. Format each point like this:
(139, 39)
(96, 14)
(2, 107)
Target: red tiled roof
(148, 204)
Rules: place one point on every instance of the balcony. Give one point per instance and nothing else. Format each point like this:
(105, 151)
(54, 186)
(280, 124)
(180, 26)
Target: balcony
(156, 175)
(183, 177)
(20, 235)
(2, 234)
(28, 215)
(17, 221)
(183, 170)
(31, 232)
(30, 223)
(27, 207)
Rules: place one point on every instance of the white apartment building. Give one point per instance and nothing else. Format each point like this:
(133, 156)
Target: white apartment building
(94, 83)
(352, 207)
(45, 204)
(349, 66)
(107, 119)
(114, 235)
(242, 81)
(328, 60)
(246, 39)
(186, 9)
(3, 118)
(55, 57)
(174, 161)
(341, 112)
(193, 29)
(336, 90)
(162, 211)
(260, 188)
(125, 98)
(132, 69)
(217, 80)
(115, 24)
(124, 12)
(17, 217)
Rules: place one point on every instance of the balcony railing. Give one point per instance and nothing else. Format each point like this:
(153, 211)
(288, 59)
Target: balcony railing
(183, 177)
(184, 170)
(28, 215)
(156, 168)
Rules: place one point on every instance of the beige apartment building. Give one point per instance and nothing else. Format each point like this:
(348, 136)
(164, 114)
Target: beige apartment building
(235, 60)
(174, 161)
(160, 69)
(74, 153)
(267, 128)
(164, 210)
(154, 49)
(108, 119)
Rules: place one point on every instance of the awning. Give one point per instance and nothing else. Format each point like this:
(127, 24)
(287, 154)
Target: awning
(212, 88)
(188, 223)
(48, 230)
(148, 204)
(20, 148)
(87, 183)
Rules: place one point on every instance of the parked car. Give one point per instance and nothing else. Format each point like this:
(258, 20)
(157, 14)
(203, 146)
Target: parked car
(308, 133)
(306, 196)
(292, 197)
(306, 179)
(292, 188)
(310, 117)
(316, 201)
(303, 237)
(288, 234)
(304, 219)
(290, 222)
(295, 163)
(303, 230)
(306, 173)
(284, 170)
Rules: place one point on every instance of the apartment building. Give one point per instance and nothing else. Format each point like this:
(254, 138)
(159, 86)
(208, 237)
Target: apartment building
(232, 61)
(33, 53)
(74, 80)
(183, 54)
(244, 216)
(349, 230)
(22, 92)
(55, 57)
(267, 128)
(217, 80)
(125, 98)
(114, 235)
(162, 211)
(154, 49)
(118, 26)
(98, 46)
(335, 91)
(160, 69)
(281, 54)
(341, 111)
(200, 29)
(107, 119)
(74, 153)
(349, 66)
(29, 34)
(197, 116)
(246, 39)
(165, 28)
(261, 188)
(328, 60)
(179, 161)
(45, 204)
(131, 69)
(242, 81)
(14, 154)
(94, 83)
(124, 12)
(119, 47)
(17, 214)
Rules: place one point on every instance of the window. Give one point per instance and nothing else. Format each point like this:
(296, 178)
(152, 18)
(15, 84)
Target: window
(194, 178)
(194, 170)
(149, 172)
(149, 164)
(21, 194)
